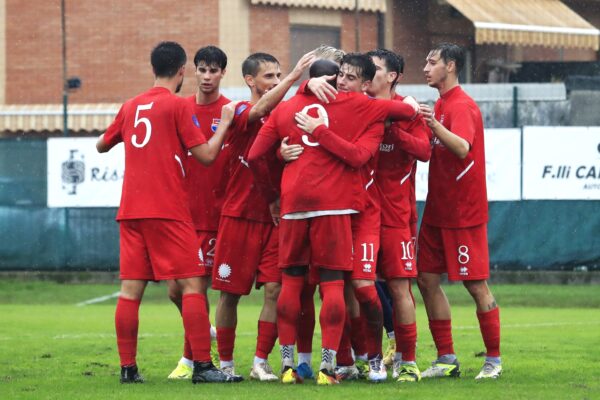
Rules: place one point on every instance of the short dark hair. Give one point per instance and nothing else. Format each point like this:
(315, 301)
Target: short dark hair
(251, 65)
(167, 58)
(393, 62)
(323, 67)
(211, 55)
(451, 52)
(365, 68)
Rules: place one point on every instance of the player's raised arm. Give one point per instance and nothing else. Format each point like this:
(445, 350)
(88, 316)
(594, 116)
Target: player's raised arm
(207, 152)
(275, 95)
(456, 144)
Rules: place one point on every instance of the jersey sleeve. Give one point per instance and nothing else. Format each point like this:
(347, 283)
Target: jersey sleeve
(188, 126)
(240, 117)
(258, 158)
(415, 139)
(392, 109)
(113, 134)
(354, 154)
(462, 122)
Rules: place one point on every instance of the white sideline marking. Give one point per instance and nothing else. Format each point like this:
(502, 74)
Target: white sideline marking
(98, 299)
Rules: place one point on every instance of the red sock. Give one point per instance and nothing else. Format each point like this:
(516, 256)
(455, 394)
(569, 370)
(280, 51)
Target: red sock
(344, 353)
(187, 349)
(225, 342)
(406, 341)
(196, 324)
(126, 325)
(357, 335)
(370, 308)
(441, 330)
(267, 335)
(288, 308)
(332, 315)
(306, 324)
(489, 324)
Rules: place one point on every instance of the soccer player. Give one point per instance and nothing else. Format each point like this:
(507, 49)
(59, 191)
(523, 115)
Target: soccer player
(315, 226)
(156, 232)
(403, 143)
(206, 185)
(247, 239)
(453, 235)
(359, 73)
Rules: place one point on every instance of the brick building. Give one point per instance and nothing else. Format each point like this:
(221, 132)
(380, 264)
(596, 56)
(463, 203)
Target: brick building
(108, 41)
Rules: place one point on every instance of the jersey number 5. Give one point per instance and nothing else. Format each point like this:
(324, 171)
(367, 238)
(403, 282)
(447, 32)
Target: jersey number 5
(145, 121)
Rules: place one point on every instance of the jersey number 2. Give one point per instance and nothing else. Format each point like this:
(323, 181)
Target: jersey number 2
(145, 121)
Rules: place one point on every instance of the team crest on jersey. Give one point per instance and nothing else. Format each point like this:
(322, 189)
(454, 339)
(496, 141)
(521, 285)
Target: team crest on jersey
(214, 125)
(195, 121)
(241, 109)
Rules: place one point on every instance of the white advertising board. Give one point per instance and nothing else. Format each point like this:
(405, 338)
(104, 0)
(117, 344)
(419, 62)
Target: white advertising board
(78, 176)
(561, 163)
(502, 166)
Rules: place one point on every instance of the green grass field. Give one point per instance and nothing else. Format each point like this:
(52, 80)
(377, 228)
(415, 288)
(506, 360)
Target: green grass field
(52, 349)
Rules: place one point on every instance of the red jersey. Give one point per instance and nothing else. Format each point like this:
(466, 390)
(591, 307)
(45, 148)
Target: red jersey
(243, 197)
(319, 181)
(206, 184)
(157, 128)
(403, 143)
(457, 196)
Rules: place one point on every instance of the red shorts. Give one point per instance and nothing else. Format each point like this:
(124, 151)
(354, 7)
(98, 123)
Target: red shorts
(397, 253)
(319, 242)
(365, 239)
(462, 252)
(157, 249)
(246, 252)
(206, 243)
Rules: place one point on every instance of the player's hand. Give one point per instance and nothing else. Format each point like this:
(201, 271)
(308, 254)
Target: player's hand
(275, 210)
(307, 123)
(303, 63)
(411, 101)
(290, 152)
(428, 115)
(323, 90)
(227, 112)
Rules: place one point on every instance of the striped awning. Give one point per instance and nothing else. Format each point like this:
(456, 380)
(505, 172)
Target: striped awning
(363, 5)
(49, 117)
(547, 23)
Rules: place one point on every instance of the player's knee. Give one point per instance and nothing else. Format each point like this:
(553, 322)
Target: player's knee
(477, 289)
(272, 290)
(229, 300)
(174, 295)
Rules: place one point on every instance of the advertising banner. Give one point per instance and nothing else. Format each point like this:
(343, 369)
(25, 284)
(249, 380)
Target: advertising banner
(561, 163)
(78, 176)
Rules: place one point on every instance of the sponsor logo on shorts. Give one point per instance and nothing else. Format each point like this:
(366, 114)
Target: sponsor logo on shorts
(224, 272)
(408, 266)
(367, 268)
(463, 270)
